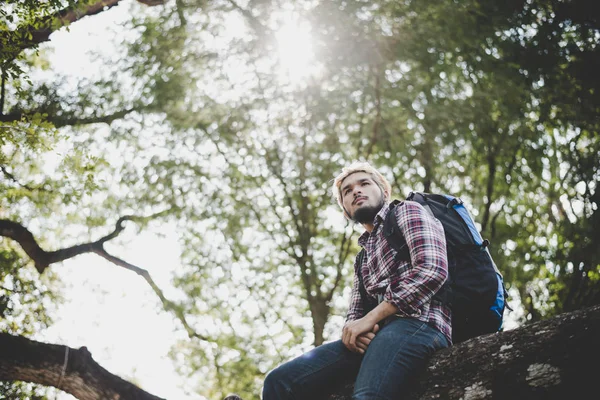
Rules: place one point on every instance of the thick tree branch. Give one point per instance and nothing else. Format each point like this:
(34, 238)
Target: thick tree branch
(71, 370)
(43, 259)
(551, 359)
(61, 121)
(27, 36)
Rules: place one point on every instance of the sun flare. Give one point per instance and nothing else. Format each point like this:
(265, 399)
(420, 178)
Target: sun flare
(295, 50)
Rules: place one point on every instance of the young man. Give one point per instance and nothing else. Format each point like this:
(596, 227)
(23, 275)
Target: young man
(382, 348)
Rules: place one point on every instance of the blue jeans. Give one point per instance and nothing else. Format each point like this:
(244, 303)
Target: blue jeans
(398, 351)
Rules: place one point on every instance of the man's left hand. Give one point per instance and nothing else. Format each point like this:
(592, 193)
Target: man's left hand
(353, 329)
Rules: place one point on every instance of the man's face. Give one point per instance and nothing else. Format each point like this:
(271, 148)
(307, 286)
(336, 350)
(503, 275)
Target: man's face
(362, 197)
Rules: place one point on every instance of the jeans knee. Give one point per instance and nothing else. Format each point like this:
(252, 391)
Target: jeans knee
(270, 380)
(275, 386)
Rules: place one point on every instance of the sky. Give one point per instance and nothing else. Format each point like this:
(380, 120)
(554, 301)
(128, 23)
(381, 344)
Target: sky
(110, 310)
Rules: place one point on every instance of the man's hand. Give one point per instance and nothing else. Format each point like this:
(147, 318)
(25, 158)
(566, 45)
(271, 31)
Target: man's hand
(357, 335)
(363, 341)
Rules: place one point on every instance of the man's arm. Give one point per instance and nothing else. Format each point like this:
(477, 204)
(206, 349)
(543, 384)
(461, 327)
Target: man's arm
(426, 242)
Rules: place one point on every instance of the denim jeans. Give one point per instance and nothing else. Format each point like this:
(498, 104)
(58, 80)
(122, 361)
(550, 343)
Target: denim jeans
(398, 351)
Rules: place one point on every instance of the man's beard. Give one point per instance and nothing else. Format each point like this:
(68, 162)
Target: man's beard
(366, 215)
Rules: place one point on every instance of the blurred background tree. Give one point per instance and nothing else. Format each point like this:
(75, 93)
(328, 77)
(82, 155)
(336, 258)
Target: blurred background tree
(228, 120)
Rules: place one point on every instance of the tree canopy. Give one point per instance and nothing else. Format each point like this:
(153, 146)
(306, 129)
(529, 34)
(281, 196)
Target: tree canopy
(228, 120)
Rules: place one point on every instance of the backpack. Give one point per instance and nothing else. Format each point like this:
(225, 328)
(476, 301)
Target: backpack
(475, 290)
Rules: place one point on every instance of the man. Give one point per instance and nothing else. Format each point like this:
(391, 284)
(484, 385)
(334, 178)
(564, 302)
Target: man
(382, 348)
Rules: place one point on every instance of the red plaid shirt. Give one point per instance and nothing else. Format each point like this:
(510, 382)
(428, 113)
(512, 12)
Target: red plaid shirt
(409, 286)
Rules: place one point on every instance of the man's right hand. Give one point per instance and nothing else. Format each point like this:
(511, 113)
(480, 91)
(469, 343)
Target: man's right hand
(363, 341)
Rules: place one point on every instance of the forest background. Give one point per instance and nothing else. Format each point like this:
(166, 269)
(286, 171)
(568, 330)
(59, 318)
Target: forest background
(165, 167)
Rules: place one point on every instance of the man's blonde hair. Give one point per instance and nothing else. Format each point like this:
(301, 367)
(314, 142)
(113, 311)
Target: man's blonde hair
(359, 166)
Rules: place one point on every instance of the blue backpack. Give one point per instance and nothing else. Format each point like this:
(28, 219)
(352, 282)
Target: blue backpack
(475, 289)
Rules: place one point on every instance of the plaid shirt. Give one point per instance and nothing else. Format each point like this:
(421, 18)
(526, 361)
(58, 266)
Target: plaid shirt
(409, 286)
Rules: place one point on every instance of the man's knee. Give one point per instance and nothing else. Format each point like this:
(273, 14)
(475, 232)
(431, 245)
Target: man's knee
(272, 378)
(276, 385)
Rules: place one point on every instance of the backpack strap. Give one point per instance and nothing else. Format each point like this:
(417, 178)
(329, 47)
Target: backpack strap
(393, 235)
(368, 302)
(422, 201)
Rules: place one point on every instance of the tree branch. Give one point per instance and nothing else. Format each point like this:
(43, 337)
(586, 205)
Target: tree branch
(377, 122)
(491, 179)
(168, 305)
(345, 245)
(43, 259)
(71, 370)
(60, 121)
(27, 36)
(259, 28)
(2, 90)
(15, 180)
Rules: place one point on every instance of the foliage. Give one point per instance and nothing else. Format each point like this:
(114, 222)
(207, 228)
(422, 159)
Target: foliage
(496, 102)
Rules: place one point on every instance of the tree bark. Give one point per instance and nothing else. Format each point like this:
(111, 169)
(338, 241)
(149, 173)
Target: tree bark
(71, 370)
(550, 359)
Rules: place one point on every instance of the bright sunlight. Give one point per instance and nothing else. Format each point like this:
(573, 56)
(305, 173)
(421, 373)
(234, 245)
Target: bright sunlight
(295, 50)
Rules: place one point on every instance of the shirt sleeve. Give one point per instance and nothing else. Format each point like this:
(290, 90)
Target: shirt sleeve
(356, 308)
(426, 241)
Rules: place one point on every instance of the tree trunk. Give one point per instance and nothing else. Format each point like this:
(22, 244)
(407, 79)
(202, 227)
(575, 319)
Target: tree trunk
(319, 311)
(71, 370)
(551, 359)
